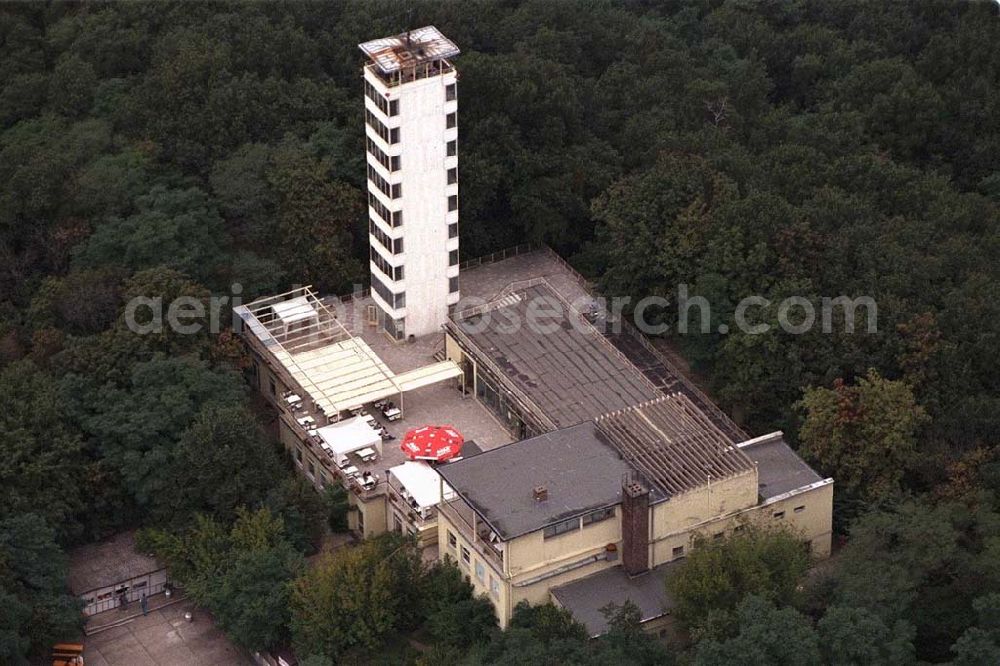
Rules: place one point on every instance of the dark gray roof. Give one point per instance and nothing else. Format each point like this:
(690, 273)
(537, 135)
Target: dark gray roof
(579, 471)
(571, 372)
(585, 597)
(107, 562)
(779, 468)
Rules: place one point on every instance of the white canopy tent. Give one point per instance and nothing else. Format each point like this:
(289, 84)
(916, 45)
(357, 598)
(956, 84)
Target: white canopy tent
(422, 483)
(348, 436)
(295, 311)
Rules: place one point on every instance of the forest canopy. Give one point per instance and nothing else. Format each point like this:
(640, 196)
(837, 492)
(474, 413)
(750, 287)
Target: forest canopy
(771, 148)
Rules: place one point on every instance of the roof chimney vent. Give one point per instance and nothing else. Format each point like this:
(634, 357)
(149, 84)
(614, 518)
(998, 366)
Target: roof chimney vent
(541, 493)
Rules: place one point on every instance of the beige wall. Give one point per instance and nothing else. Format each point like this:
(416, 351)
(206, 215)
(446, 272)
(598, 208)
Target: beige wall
(674, 520)
(498, 594)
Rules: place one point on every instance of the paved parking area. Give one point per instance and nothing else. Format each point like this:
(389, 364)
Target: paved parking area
(163, 638)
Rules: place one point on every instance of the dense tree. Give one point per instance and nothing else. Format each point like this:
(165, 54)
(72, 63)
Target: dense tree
(43, 465)
(867, 433)
(764, 634)
(33, 581)
(351, 599)
(719, 573)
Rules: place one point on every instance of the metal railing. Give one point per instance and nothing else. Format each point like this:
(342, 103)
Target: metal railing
(499, 255)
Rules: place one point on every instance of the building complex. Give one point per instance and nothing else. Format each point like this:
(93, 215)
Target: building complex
(590, 465)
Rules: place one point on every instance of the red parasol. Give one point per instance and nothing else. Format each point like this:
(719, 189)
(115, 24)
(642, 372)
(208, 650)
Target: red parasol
(432, 443)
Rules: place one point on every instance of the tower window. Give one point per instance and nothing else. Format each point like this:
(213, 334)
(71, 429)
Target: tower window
(453, 258)
(450, 92)
(394, 163)
(397, 191)
(452, 285)
(453, 230)
(394, 107)
(453, 202)
(453, 175)
(397, 245)
(397, 218)
(451, 120)
(452, 148)
(394, 135)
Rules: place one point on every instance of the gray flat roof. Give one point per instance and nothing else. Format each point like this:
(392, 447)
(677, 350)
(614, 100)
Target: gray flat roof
(578, 469)
(571, 372)
(107, 562)
(779, 468)
(585, 597)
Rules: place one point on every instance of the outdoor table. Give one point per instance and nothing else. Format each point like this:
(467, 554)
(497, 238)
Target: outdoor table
(306, 421)
(350, 470)
(367, 454)
(393, 414)
(293, 399)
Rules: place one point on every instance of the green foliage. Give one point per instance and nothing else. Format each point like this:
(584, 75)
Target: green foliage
(764, 634)
(351, 599)
(43, 465)
(242, 575)
(856, 636)
(981, 644)
(39, 609)
(719, 573)
(337, 506)
(865, 433)
(921, 564)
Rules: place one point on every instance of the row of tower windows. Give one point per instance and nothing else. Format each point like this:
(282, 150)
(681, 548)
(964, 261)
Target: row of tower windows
(395, 301)
(384, 105)
(392, 245)
(392, 218)
(393, 191)
(391, 163)
(392, 272)
(390, 136)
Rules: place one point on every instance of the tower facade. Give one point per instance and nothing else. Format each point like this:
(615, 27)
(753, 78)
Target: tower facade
(411, 136)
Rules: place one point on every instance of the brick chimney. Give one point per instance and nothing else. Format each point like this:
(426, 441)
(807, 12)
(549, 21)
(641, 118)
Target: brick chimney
(635, 524)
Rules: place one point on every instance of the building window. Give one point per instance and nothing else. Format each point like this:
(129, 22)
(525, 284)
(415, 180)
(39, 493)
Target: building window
(323, 480)
(452, 284)
(298, 456)
(451, 120)
(678, 552)
(394, 107)
(494, 587)
(452, 541)
(450, 92)
(274, 389)
(779, 515)
(800, 509)
(597, 516)
(453, 202)
(452, 148)
(453, 258)
(453, 230)
(397, 191)
(452, 175)
(397, 218)
(465, 555)
(565, 526)
(480, 571)
(312, 470)
(394, 135)
(394, 163)
(394, 300)
(397, 245)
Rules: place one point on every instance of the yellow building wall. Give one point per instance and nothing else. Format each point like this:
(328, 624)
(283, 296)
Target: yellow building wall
(675, 520)
(809, 513)
(501, 595)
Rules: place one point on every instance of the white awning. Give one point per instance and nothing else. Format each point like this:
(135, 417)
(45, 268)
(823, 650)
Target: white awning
(427, 375)
(422, 482)
(294, 310)
(348, 436)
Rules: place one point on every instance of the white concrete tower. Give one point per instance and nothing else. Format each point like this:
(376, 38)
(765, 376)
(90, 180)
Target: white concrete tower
(411, 118)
